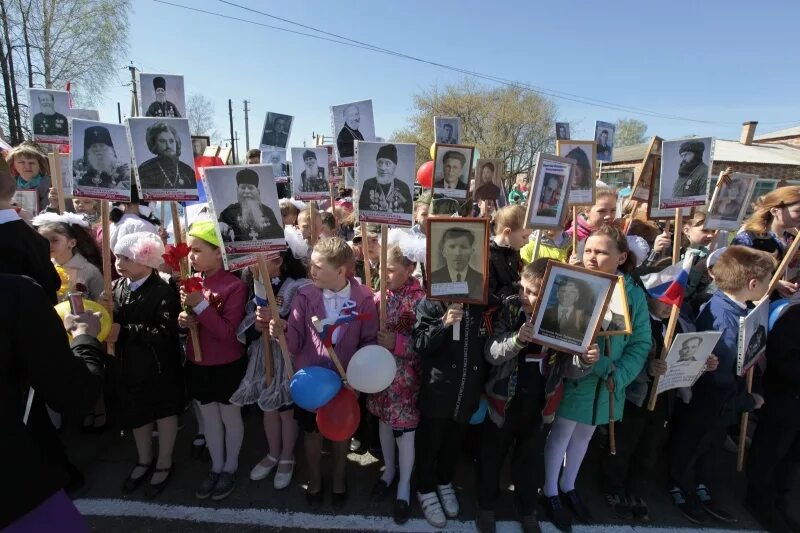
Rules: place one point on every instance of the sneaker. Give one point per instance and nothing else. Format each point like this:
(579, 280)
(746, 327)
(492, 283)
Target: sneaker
(620, 505)
(690, 509)
(711, 507)
(432, 509)
(639, 508)
(578, 508)
(260, 471)
(224, 486)
(485, 522)
(557, 514)
(208, 484)
(448, 498)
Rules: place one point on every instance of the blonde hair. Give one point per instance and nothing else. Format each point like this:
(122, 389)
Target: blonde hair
(739, 264)
(335, 250)
(759, 222)
(605, 192)
(29, 150)
(511, 217)
(698, 218)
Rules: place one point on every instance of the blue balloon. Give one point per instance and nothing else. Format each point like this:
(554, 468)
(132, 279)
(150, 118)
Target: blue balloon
(480, 412)
(776, 308)
(314, 386)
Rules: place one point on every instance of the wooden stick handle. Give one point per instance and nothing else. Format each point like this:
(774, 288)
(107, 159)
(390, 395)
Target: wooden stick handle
(57, 180)
(312, 222)
(575, 231)
(536, 243)
(273, 307)
(265, 339)
(743, 426)
(106, 248)
(365, 254)
(331, 353)
(384, 259)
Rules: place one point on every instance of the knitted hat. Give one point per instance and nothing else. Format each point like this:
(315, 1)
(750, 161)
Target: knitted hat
(206, 230)
(141, 247)
(388, 151)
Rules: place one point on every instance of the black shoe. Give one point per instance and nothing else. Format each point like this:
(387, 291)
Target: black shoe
(711, 507)
(639, 508)
(530, 523)
(620, 505)
(485, 522)
(314, 499)
(689, 508)
(557, 514)
(338, 499)
(577, 507)
(154, 489)
(402, 512)
(131, 484)
(379, 491)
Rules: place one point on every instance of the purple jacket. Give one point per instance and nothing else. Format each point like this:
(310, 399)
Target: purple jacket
(303, 340)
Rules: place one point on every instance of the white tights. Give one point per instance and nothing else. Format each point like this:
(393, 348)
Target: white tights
(224, 431)
(570, 438)
(405, 443)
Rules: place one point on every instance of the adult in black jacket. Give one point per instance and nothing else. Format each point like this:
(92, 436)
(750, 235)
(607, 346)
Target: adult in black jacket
(774, 462)
(503, 273)
(34, 353)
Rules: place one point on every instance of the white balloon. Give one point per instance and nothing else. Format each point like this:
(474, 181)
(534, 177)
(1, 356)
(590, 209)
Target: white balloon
(371, 369)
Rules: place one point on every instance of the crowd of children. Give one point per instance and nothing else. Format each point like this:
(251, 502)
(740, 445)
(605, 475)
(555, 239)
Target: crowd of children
(542, 407)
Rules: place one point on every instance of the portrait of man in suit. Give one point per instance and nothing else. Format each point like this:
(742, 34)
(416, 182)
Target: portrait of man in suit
(688, 349)
(276, 130)
(452, 172)
(568, 316)
(457, 248)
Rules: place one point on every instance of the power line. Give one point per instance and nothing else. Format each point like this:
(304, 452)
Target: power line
(346, 41)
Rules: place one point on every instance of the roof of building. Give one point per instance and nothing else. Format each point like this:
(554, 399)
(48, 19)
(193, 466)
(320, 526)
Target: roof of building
(788, 132)
(728, 151)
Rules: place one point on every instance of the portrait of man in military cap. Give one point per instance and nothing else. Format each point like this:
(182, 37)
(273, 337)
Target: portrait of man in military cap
(386, 178)
(171, 167)
(161, 95)
(49, 110)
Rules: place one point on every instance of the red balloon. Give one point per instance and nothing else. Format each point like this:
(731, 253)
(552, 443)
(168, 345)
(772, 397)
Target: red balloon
(425, 174)
(338, 419)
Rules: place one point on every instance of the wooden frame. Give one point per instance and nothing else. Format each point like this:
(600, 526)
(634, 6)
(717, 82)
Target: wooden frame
(578, 197)
(539, 178)
(599, 280)
(671, 158)
(717, 221)
(434, 241)
(618, 302)
(466, 171)
(643, 179)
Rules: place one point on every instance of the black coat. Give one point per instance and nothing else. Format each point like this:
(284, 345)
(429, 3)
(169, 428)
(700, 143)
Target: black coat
(24, 252)
(34, 352)
(782, 377)
(453, 372)
(147, 363)
(503, 273)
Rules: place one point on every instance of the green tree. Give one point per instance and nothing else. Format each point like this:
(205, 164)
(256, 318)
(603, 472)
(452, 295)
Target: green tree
(508, 123)
(629, 132)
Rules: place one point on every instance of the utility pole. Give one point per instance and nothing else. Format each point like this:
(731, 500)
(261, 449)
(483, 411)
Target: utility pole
(135, 104)
(119, 113)
(246, 127)
(230, 117)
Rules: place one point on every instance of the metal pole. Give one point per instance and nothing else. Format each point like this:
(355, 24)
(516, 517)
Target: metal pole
(119, 113)
(230, 117)
(246, 127)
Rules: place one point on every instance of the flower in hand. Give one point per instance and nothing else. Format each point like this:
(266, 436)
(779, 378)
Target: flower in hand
(174, 254)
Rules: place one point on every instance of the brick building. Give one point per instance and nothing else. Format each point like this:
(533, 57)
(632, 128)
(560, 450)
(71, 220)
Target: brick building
(774, 157)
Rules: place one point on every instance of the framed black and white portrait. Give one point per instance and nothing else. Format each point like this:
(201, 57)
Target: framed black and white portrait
(729, 202)
(549, 192)
(685, 171)
(752, 343)
(161, 95)
(100, 161)
(277, 128)
(570, 307)
(452, 166)
(581, 188)
(617, 319)
(562, 131)
(162, 158)
(447, 130)
(488, 179)
(334, 176)
(458, 259)
(199, 144)
(351, 122)
(686, 359)
(310, 173)
(386, 182)
(604, 140)
(276, 158)
(245, 202)
(49, 111)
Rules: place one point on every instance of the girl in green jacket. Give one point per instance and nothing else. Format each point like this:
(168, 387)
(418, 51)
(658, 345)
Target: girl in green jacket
(585, 404)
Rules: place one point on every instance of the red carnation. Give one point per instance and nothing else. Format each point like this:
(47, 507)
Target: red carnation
(192, 284)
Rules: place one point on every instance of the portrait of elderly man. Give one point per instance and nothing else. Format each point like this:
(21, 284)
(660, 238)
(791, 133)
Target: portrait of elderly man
(457, 248)
(165, 170)
(384, 192)
(692, 173)
(248, 219)
(277, 133)
(452, 174)
(161, 107)
(487, 190)
(99, 166)
(567, 317)
(349, 133)
(313, 175)
(48, 121)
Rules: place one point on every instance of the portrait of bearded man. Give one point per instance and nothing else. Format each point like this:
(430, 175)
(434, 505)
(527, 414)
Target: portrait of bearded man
(692, 173)
(100, 166)
(165, 170)
(248, 219)
(384, 192)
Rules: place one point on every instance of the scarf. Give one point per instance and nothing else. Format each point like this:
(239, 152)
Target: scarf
(26, 185)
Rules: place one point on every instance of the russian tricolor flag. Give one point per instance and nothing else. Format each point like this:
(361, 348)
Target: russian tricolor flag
(669, 285)
(347, 314)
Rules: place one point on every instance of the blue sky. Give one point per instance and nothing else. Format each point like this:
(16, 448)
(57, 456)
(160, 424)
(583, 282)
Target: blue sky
(718, 61)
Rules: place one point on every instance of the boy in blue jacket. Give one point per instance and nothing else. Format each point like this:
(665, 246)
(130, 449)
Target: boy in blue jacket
(718, 398)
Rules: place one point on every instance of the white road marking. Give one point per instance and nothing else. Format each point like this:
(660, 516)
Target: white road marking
(300, 521)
